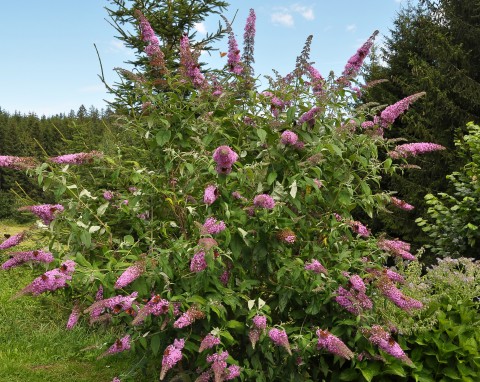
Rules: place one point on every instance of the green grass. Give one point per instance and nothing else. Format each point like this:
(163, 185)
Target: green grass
(34, 344)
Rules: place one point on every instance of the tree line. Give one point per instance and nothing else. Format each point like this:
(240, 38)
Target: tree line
(28, 135)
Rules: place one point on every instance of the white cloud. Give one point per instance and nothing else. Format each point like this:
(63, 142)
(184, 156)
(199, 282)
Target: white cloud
(351, 28)
(305, 12)
(117, 46)
(200, 28)
(285, 15)
(284, 19)
(99, 88)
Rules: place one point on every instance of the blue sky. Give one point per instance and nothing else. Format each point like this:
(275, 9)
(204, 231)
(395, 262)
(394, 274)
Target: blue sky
(49, 64)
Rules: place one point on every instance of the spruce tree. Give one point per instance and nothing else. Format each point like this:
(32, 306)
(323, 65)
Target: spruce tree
(433, 47)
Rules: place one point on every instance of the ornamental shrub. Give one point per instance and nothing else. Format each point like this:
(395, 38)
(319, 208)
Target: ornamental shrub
(453, 220)
(223, 236)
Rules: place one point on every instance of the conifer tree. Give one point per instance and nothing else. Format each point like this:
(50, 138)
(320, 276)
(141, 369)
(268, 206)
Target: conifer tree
(168, 20)
(433, 47)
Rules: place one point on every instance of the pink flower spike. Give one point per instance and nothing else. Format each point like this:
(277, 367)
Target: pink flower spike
(209, 342)
(212, 226)
(280, 338)
(316, 267)
(414, 149)
(78, 158)
(380, 337)
(12, 241)
(171, 356)
(264, 201)
(74, 316)
(260, 322)
(333, 344)
(198, 263)
(24, 257)
(210, 195)
(401, 204)
(46, 212)
(355, 62)
(17, 163)
(392, 112)
(189, 65)
(130, 275)
(119, 346)
(289, 138)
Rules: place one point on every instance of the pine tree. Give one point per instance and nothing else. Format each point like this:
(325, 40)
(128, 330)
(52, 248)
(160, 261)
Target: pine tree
(433, 47)
(169, 20)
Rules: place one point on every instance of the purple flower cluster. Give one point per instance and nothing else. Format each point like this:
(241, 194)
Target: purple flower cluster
(148, 35)
(359, 228)
(17, 163)
(392, 112)
(74, 316)
(116, 304)
(401, 204)
(46, 212)
(317, 80)
(208, 342)
(260, 322)
(219, 363)
(354, 299)
(171, 356)
(129, 275)
(210, 195)
(280, 338)
(212, 226)
(23, 257)
(289, 138)
(119, 346)
(287, 236)
(316, 267)
(78, 158)
(188, 318)
(264, 201)
(198, 263)
(12, 241)
(355, 62)
(414, 149)
(52, 280)
(395, 295)
(156, 306)
(309, 116)
(233, 55)
(277, 105)
(189, 64)
(225, 157)
(108, 195)
(396, 248)
(333, 344)
(380, 337)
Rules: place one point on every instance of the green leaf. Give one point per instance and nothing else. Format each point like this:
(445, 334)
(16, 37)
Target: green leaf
(163, 136)
(271, 178)
(349, 375)
(129, 240)
(234, 324)
(262, 134)
(155, 343)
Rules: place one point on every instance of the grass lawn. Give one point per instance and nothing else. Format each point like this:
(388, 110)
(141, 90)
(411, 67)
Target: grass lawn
(34, 344)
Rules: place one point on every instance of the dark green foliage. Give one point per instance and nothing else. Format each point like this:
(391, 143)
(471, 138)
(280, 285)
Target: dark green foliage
(453, 220)
(169, 20)
(39, 137)
(433, 47)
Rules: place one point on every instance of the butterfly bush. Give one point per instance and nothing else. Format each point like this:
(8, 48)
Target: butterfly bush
(283, 176)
